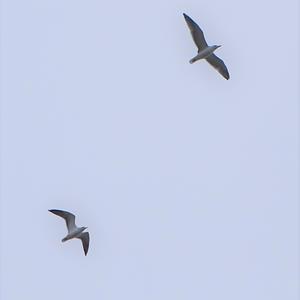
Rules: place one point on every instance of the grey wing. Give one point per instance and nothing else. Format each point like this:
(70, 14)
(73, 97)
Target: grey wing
(69, 218)
(218, 64)
(85, 239)
(196, 32)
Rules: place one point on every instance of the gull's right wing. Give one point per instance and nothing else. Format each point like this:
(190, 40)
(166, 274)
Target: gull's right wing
(85, 239)
(218, 64)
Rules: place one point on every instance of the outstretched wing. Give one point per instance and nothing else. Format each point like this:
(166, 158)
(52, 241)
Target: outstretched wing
(196, 32)
(69, 218)
(218, 64)
(85, 239)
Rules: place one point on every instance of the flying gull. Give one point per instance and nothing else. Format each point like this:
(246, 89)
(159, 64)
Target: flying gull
(205, 51)
(73, 230)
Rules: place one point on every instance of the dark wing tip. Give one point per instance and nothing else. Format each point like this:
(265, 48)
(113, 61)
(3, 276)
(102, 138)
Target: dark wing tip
(85, 239)
(187, 18)
(62, 213)
(55, 210)
(226, 75)
(58, 210)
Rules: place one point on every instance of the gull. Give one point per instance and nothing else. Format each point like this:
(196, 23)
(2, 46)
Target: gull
(205, 51)
(73, 230)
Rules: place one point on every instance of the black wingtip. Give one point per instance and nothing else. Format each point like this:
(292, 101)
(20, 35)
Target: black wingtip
(187, 16)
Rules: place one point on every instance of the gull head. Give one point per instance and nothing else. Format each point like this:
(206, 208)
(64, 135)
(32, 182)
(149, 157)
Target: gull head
(80, 230)
(216, 46)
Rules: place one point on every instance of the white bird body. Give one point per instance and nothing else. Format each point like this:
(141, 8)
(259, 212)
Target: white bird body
(76, 233)
(73, 230)
(204, 51)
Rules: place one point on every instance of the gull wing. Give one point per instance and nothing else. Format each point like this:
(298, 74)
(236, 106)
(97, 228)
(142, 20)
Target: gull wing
(218, 64)
(196, 32)
(85, 239)
(69, 218)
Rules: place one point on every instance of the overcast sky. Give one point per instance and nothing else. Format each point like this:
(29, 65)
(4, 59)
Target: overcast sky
(188, 183)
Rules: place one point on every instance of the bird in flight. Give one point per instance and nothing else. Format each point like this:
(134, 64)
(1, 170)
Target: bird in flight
(205, 51)
(73, 230)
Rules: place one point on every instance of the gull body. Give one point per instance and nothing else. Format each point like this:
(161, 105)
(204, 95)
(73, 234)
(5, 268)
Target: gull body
(204, 51)
(73, 230)
(76, 233)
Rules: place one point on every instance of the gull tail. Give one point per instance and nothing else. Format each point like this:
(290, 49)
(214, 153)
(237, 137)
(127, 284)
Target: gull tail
(194, 59)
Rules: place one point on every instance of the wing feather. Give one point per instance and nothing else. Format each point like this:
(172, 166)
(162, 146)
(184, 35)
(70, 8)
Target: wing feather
(218, 64)
(85, 239)
(69, 218)
(196, 32)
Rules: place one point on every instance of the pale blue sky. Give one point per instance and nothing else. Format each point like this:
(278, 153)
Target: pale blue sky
(188, 183)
